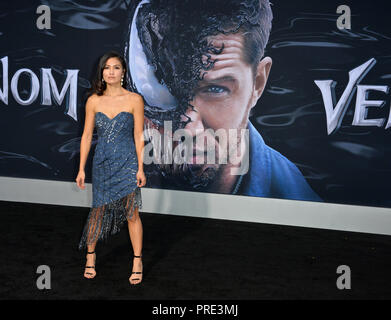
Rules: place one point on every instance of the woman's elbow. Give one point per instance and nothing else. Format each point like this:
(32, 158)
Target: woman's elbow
(86, 137)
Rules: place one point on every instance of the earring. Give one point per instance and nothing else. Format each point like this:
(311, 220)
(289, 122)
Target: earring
(103, 80)
(122, 81)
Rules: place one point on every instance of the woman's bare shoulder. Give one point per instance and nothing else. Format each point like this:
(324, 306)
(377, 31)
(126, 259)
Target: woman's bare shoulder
(133, 95)
(92, 101)
(135, 100)
(93, 98)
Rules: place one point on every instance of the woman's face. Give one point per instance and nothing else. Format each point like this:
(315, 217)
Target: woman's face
(113, 71)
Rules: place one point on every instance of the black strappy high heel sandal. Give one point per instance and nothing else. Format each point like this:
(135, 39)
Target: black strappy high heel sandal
(139, 272)
(91, 267)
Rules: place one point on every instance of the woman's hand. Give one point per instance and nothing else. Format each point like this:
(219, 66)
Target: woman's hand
(80, 179)
(141, 180)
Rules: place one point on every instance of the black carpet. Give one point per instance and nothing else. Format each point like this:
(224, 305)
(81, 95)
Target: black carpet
(187, 258)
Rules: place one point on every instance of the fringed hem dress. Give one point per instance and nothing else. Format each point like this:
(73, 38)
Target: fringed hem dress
(115, 194)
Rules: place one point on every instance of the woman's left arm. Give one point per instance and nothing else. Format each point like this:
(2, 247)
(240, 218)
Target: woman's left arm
(138, 113)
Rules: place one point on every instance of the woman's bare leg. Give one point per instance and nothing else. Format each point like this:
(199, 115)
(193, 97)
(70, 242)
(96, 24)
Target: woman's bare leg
(94, 225)
(136, 237)
(90, 262)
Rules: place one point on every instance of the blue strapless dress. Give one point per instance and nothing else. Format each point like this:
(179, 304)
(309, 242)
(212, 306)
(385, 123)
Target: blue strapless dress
(115, 194)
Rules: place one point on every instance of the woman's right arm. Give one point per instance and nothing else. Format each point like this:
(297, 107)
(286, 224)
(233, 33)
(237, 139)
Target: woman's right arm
(86, 138)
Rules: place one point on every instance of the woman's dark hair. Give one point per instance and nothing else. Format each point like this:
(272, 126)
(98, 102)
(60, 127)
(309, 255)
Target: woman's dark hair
(98, 86)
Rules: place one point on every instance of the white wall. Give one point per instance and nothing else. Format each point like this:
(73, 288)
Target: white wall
(209, 205)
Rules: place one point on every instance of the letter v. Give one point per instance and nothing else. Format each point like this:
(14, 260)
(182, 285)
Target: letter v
(327, 87)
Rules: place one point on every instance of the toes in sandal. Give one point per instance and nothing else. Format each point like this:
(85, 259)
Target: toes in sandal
(139, 272)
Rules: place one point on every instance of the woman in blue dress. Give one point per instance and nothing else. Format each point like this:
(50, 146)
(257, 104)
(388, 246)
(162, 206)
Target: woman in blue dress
(117, 170)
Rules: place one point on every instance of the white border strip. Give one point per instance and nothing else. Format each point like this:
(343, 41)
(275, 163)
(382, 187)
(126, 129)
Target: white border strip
(211, 205)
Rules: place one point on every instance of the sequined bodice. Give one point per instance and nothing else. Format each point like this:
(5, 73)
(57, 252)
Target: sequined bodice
(115, 131)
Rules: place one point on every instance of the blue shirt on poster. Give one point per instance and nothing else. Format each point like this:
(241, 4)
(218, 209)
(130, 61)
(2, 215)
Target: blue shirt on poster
(270, 174)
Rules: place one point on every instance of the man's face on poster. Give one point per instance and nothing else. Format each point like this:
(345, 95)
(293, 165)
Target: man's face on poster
(222, 101)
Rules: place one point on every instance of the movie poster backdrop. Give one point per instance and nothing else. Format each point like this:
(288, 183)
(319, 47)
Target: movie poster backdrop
(317, 129)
